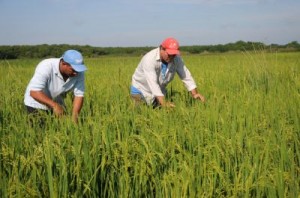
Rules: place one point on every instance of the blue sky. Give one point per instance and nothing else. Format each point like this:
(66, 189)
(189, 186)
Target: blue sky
(146, 23)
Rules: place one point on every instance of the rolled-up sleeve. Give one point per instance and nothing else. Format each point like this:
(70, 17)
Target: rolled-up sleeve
(40, 78)
(185, 75)
(79, 88)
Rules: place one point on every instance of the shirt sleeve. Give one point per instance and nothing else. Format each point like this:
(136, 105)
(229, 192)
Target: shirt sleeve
(151, 77)
(184, 74)
(40, 77)
(79, 88)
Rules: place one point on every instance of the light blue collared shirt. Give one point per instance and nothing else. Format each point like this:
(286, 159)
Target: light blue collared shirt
(47, 78)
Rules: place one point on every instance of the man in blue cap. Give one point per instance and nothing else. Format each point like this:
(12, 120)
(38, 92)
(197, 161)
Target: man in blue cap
(53, 78)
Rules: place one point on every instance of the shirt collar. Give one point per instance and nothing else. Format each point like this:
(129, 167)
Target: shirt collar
(56, 68)
(158, 54)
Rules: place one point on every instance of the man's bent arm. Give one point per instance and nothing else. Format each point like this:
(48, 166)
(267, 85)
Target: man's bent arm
(77, 105)
(41, 97)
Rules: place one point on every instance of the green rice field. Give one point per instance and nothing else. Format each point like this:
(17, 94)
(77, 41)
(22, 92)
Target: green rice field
(243, 142)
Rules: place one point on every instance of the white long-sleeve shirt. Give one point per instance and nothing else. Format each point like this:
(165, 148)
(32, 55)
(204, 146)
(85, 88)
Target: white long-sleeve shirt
(148, 78)
(47, 78)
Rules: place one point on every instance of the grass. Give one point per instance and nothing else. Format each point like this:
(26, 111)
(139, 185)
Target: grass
(243, 142)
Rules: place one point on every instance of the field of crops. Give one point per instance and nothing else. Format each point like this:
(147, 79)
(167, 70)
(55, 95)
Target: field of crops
(243, 142)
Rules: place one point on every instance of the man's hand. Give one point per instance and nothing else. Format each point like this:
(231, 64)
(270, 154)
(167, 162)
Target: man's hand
(198, 96)
(169, 104)
(41, 97)
(163, 103)
(58, 110)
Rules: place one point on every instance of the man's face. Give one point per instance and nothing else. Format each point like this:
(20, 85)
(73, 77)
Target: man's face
(164, 56)
(68, 70)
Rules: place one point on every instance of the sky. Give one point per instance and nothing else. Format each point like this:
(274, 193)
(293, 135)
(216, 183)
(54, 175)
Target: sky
(129, 23)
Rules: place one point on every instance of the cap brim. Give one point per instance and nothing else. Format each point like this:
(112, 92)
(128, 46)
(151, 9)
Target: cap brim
(172, 51)
(79, 68)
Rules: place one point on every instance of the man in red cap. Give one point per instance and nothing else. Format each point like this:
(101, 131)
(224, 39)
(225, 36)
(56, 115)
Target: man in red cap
(156, 69)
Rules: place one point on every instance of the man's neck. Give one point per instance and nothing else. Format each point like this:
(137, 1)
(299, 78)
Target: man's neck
(65, 77)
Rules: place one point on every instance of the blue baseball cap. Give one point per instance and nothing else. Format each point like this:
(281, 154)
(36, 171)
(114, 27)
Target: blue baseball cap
(75, 59)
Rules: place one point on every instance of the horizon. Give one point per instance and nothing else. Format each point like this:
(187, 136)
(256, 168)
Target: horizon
(149, 46)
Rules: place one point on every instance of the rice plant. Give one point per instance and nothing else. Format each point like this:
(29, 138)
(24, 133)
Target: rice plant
(243, 142)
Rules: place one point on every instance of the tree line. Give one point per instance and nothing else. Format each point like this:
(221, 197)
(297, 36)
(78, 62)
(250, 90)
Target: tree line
(45, 50)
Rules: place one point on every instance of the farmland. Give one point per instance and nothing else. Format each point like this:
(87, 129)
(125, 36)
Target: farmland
(243, 142)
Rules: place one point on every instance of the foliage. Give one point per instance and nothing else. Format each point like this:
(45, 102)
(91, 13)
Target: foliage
(44, 51)
(243, 142)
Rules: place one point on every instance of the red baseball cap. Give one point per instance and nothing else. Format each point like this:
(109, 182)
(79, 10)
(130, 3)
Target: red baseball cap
(171, 46)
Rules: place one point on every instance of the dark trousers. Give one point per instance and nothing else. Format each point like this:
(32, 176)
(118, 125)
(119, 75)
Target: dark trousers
(37, 116)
